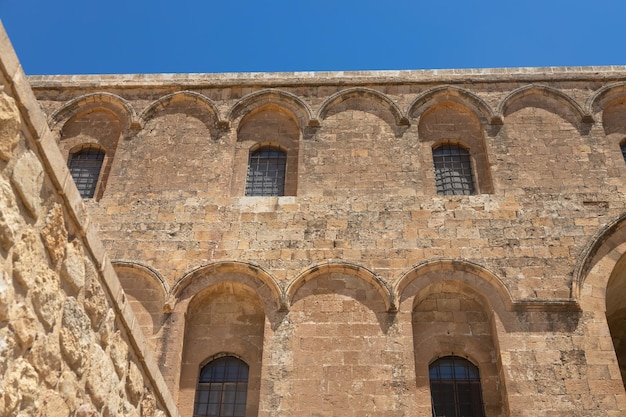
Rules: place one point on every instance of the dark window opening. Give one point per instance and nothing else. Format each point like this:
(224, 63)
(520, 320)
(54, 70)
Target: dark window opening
(453, 170)
(455, 388)
(85, 166)
(623, 148)
(222, 389)
(266, 173)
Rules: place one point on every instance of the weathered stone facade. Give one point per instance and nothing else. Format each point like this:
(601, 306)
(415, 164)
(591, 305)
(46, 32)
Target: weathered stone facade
(341, 293)
(69, 342)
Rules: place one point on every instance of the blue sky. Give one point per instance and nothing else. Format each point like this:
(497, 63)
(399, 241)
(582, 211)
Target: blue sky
(185, 36)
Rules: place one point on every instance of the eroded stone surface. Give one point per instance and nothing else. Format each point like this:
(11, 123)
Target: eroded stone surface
(10, 220)
(9, 126)
(73, 267)
(102, 380)
(28, 179)
(134, 383)
(54, 233)
(76, 337)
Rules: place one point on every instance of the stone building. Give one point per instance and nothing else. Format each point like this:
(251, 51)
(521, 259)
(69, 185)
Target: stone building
(362, 243)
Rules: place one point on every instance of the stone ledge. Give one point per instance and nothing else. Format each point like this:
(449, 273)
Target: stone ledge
(492, 75)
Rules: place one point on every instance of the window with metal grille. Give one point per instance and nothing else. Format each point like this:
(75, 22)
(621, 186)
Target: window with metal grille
(266, 172)
(623, 148)
(455, 388)
(85, 165)
(222, 388)
(453, 170)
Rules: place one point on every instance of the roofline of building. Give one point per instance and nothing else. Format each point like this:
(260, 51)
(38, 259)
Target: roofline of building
(282, 79)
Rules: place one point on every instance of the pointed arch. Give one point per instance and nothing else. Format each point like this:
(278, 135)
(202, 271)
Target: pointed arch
(192, 96)
(254, 276)
(362, 92)
(344, 267)
(600, 256)
(570, 109)
(599, 100)
(119, 106)
(457, 95)
(280, 98)
(145, 271)
(484, 282)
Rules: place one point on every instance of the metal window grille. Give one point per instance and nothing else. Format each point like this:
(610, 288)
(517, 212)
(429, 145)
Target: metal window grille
(455, 388)
(453, 170)
(85, 168)
(266, 173)
(623, 148)
(222, 389)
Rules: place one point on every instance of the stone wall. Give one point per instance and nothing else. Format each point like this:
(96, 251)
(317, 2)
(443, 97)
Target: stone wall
(69, 343)
(341, 294)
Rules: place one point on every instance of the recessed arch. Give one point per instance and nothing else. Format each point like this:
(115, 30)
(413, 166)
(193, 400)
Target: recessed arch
(437, 95)
(568, 109)
(254, 276)
(367, 93)
(143, 270)
(605, 95)
(146, 292)
(347, 268)
(191, 96)
(114, 103)
(480, 279)
(599, 257)
(291, 102)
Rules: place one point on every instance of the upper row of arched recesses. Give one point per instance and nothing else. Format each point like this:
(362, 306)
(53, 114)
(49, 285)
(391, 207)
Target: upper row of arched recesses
(411, 285)
(533, 95)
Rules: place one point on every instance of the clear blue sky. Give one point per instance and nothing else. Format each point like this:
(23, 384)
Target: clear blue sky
(161, 36)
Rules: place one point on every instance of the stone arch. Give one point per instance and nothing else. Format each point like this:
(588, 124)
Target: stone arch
(605, 95)
(610, 101)
(180, 96)
(114, 103)
(95, 121)
(600, 283)
(347, 268)
(366, 93)
(226, 317)
(548, 98)
(146, 291)
(144, 270)
(458, 95)
(434, 129)
(598, 259)
(479, 278)
(269, 124)
(254, 276)
(301, 110)
(454, 315)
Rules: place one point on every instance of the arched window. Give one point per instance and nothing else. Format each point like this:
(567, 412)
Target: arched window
(85, 165)
(453, 170)
(222, 388)
(455, 388)
(266, 172)
(623, 148)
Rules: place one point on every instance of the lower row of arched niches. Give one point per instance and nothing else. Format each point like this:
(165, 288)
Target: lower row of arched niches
(336, 350)
(339, 349)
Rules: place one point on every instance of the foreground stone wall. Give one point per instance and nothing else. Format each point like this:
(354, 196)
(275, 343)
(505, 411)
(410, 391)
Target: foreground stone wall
(69, 343)
(340, 294)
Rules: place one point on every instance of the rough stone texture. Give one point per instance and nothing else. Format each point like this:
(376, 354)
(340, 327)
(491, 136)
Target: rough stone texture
(67, 343)
(9, 127)
(27, 177)
(340, 294)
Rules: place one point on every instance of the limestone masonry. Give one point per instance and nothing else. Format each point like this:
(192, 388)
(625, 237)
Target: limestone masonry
(339, 243)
